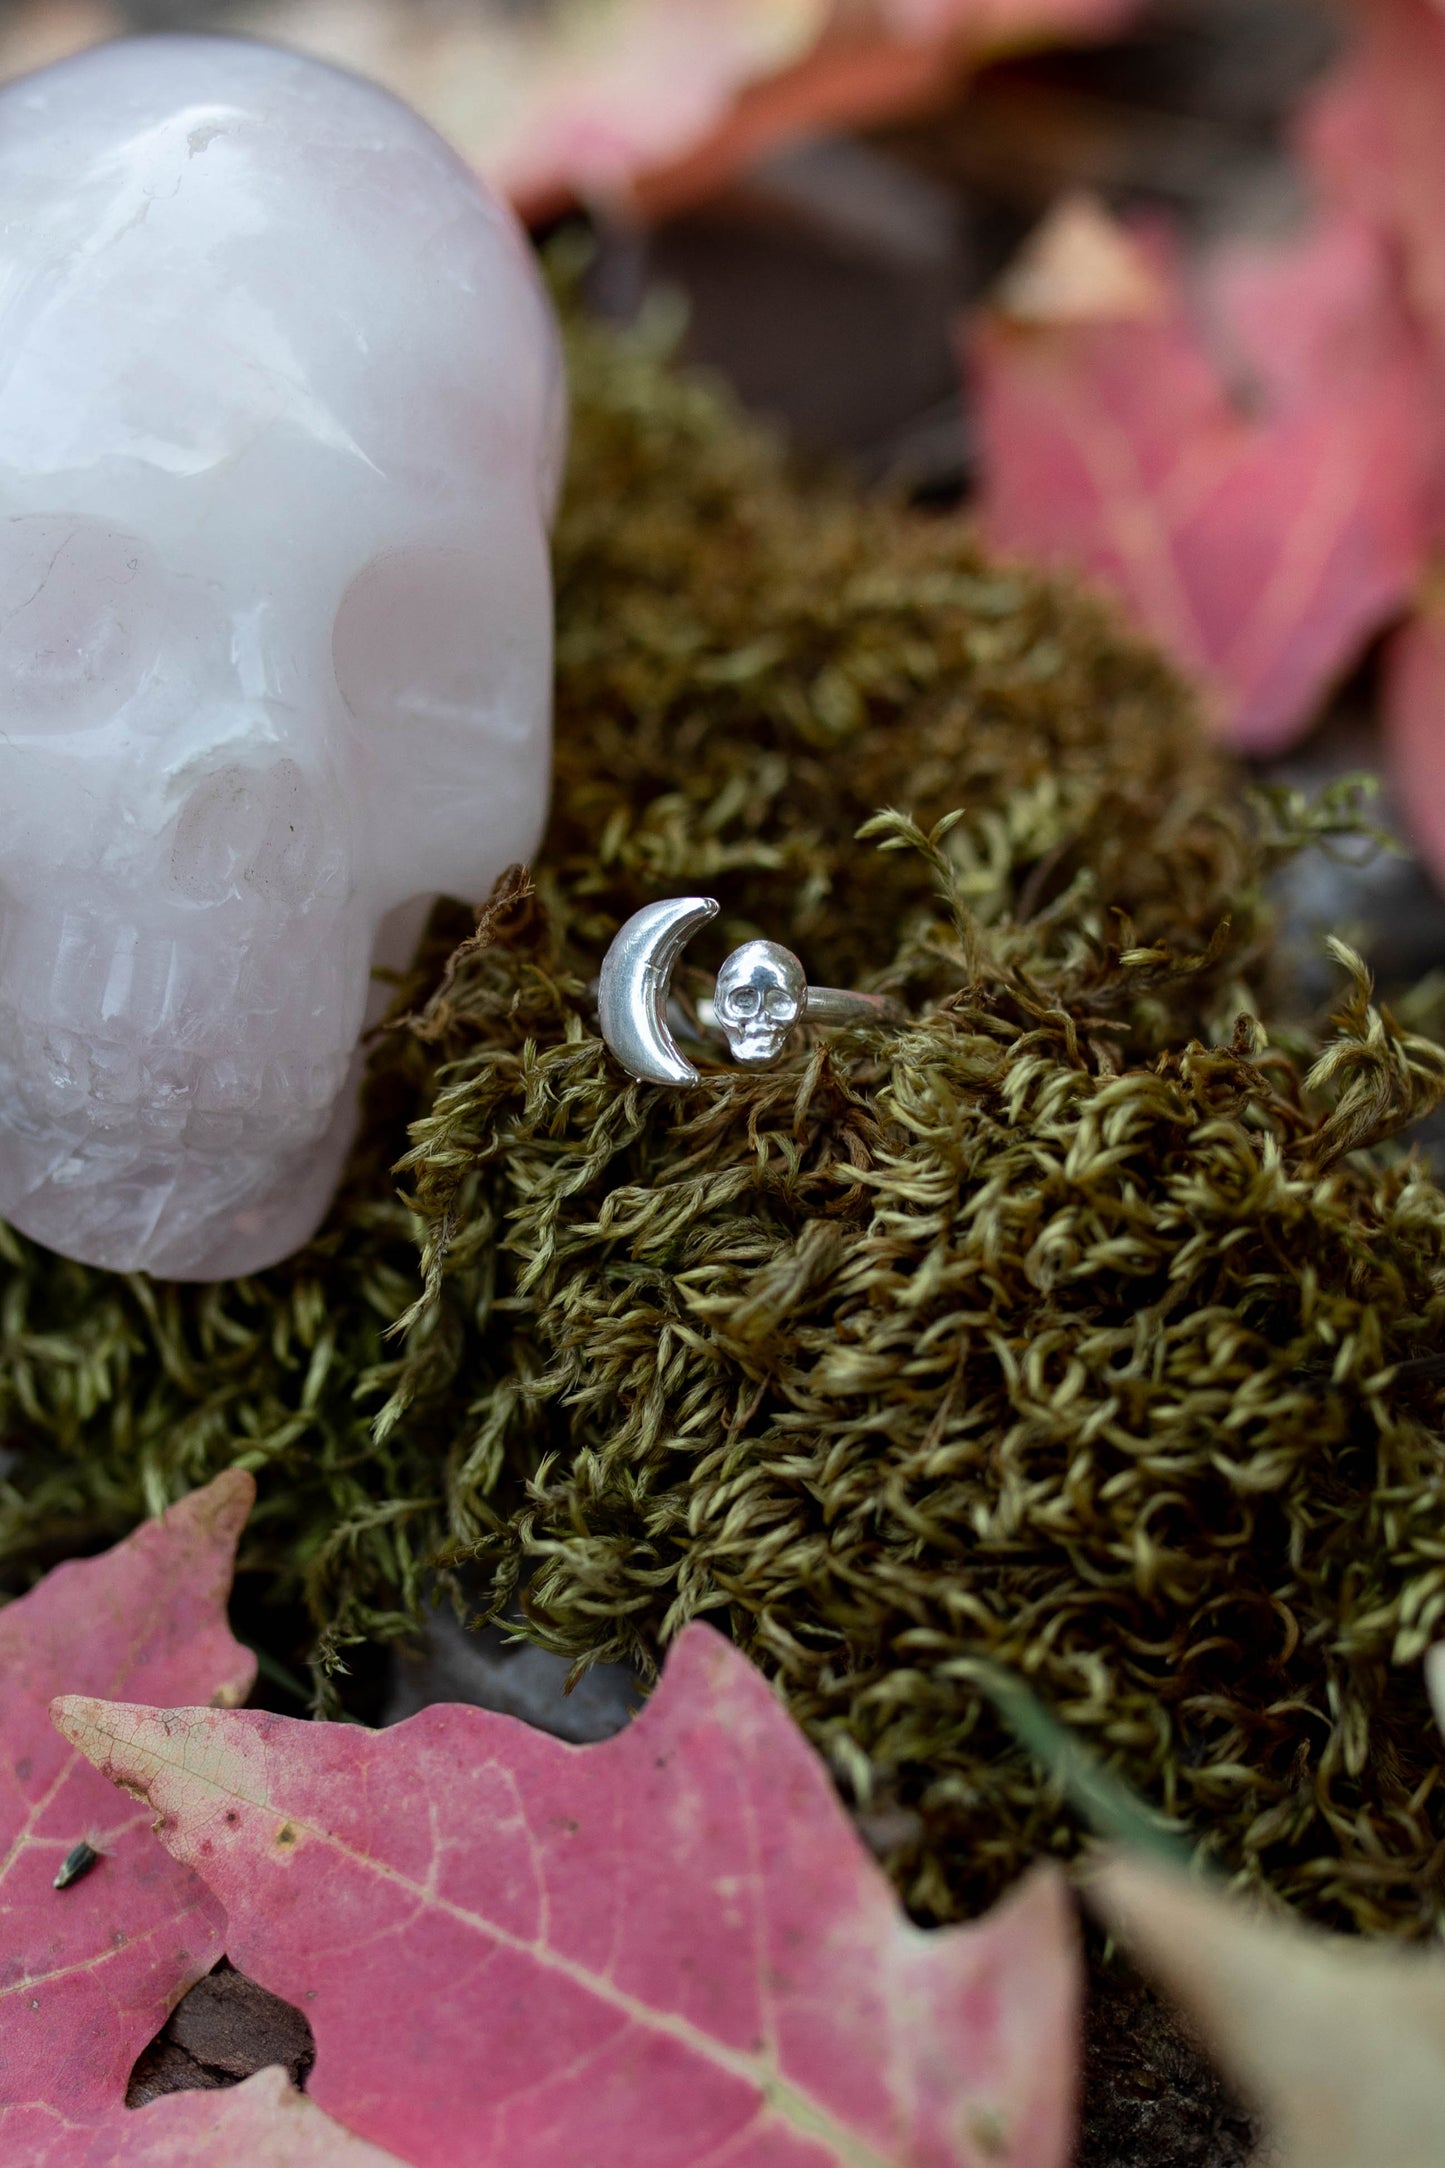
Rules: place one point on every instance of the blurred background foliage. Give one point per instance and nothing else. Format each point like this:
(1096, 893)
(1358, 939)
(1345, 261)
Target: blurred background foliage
(832, 189)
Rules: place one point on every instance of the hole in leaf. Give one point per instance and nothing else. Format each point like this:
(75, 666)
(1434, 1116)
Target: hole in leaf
(224, 2030)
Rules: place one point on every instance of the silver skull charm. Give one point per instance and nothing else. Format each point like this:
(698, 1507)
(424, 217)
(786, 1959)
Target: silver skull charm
(759, 998)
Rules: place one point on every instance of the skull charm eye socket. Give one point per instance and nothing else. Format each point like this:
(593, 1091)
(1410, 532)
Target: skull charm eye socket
(759, 999)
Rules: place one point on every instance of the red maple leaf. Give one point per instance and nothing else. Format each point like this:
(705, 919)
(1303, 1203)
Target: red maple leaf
(1256, 497)
(667, 1951)
(263, 2123)
(872, 61)
(88, 1974)
(1373, 137)
(1414, 716)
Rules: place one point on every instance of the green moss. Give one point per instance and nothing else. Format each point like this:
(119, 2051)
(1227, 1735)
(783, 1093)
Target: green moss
(749, 669)
(1019, 1339)
(1077, 1328)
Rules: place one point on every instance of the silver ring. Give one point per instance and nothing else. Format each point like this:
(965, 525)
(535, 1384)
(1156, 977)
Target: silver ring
(762, 995)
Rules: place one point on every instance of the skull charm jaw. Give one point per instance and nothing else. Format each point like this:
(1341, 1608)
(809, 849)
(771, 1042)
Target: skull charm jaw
(275, 622)
(759, 998)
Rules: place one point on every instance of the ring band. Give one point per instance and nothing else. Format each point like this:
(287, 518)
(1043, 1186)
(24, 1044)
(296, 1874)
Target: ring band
(762, 995)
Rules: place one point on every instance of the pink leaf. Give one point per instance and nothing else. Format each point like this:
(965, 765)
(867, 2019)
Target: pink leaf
(263, 2123)
(1414, 710)
(995, 25)
(1261, 535)
(640, 88)
(88, 1974)
(1373, 140)
(662, 1952)
(873, 61)
(1373, 136)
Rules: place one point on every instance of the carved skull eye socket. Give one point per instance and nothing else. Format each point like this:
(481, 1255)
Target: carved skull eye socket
(81, 615)
(780, 1005)
(412, 646)
(743, 1001)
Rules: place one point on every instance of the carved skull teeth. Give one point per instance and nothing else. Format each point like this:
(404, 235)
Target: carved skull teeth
(100, 973)
(87, 1083)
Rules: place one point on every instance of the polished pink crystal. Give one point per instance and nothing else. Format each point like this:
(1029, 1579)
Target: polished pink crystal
(279, 438)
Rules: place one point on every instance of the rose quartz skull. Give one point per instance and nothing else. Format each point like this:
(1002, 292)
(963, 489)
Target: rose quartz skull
(281, 416)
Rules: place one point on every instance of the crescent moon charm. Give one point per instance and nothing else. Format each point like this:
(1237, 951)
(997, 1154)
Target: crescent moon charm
(634, 985)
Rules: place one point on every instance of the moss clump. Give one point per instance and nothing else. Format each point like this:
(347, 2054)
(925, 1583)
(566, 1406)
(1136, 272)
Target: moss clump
(749, 669)
(1066, 1329)
(1019, 1339)
(716, 623)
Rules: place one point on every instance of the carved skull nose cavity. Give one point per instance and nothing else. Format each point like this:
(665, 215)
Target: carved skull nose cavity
(256, 832)
(406, 647)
